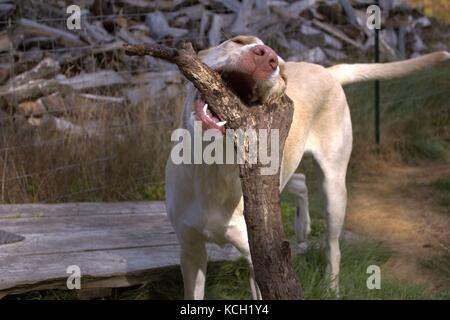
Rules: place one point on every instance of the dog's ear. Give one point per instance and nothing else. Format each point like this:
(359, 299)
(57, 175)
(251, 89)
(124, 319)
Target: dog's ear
(202, 53)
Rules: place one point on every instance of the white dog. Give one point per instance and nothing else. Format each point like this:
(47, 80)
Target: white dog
(204, 202)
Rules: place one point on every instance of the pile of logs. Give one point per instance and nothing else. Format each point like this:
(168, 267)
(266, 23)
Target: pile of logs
(40, 58)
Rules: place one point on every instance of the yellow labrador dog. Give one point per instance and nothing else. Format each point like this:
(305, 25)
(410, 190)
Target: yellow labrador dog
(204, 201)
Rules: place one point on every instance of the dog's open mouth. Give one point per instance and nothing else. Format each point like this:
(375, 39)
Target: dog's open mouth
(243, 85)
(209, 119)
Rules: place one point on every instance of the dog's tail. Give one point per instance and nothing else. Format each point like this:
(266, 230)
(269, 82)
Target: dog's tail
(351, 73)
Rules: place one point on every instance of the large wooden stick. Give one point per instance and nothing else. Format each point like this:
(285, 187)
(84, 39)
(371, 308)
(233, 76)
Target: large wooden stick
(271, 255)
(207, 81)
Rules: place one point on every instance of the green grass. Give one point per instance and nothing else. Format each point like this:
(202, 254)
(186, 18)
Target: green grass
(441, 267)
(415, 115)
(152, 192)
(229, 280)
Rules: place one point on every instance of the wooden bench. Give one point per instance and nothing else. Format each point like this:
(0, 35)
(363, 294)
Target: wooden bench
(114, 245)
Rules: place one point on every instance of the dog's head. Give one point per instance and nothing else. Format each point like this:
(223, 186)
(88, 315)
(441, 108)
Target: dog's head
(252, 70)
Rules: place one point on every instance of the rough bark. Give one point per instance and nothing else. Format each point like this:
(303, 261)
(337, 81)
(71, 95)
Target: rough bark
(271, 255)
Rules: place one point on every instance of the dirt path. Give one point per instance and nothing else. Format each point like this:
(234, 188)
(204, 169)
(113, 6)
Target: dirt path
(394, 205)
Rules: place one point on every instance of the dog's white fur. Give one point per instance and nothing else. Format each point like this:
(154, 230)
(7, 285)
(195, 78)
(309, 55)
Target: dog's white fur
(204, 202)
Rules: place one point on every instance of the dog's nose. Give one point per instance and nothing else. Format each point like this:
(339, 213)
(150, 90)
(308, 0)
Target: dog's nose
(266, 55)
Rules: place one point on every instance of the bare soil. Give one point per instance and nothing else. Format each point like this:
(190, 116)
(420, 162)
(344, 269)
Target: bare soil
(395, 205)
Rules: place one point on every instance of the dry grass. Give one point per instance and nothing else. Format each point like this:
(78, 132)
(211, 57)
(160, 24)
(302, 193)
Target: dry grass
(124, 155)
(436, 8)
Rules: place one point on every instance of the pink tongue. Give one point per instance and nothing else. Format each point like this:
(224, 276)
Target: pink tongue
(208, 122)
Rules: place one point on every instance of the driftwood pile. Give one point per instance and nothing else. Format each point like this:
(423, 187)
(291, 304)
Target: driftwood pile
(41, 59)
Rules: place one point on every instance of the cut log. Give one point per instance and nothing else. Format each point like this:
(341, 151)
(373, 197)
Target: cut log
(6, 43)
(54, 104)
(29, 27)
(141, 6)
(10, 96)
(170, 76)
(93, 80)
(142, 37)
(154, 92)
(418, 44)
(337, 33)
(71, 57)
(46, 68)
(335, 55)
(349, 11)
(33, 89)
(6, 10)
(154, 86)
(100, 98)
(294, 10)
(127, 36)
(203, 25)
(214, 34)
(315, 55)
(194, 12)
(95, 33)
(66, 126)
(159, 27)
(38, 42)
(233, 5)
(261, 4)
(240, 24)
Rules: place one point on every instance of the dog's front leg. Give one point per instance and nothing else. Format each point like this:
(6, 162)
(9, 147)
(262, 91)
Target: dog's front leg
(237, 236)
(193, 267)
(256, 293)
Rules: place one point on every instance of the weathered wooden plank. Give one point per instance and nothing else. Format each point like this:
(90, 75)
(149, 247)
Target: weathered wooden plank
(79, 209)
(82, 223)
(115, 268)
(89, 240)
(114, 244)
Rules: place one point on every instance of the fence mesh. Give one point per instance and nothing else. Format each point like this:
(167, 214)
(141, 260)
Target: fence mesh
(106, 136)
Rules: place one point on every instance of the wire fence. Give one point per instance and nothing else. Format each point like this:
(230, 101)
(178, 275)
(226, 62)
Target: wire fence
(87, 146)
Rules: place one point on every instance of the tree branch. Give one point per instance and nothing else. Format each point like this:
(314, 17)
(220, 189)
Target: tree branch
(207, 81)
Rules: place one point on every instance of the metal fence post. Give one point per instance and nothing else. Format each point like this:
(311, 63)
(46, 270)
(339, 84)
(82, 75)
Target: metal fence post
(377, 85)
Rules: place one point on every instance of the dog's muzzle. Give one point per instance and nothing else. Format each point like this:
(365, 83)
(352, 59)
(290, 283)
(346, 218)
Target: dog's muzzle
(253, 67)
